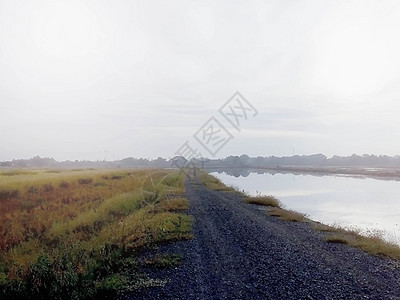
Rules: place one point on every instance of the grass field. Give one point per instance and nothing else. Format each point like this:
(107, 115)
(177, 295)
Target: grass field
(77, 234)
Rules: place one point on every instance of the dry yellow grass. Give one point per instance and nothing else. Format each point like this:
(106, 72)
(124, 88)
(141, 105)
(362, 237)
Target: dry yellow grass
(263, 200)
(337, 239)
(287, 215)
(373, 244)
(322, 227)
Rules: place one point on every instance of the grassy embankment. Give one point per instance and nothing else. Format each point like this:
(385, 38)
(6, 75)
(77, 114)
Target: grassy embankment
(77, 234)
(373, 244)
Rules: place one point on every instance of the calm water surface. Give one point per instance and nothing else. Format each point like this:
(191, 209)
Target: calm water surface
(363, 203)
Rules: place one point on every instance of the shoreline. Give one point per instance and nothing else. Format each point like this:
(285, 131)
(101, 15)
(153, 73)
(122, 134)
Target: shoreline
(355, 236)
(359, 172)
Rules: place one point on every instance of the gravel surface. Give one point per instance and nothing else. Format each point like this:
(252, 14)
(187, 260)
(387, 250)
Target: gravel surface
(239, 252)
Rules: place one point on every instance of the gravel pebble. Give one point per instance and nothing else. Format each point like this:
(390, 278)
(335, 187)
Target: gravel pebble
(239, 252)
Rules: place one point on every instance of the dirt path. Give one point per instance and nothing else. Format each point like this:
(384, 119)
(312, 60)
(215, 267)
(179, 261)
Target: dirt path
(241, 253)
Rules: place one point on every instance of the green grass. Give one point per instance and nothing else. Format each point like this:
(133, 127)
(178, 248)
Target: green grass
(165, 260)
(213, 183)
(174, 205)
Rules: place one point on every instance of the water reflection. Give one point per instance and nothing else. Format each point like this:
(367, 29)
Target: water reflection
(364, 203)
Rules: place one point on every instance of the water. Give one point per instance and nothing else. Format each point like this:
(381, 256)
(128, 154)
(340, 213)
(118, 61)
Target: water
(367, 204)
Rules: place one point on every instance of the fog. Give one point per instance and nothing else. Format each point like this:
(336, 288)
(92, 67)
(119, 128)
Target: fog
(111, 79)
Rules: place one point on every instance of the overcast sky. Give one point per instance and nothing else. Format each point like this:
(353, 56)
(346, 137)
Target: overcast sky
(112, 79)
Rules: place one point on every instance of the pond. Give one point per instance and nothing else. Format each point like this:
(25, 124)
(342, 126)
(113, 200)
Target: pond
(369, 205)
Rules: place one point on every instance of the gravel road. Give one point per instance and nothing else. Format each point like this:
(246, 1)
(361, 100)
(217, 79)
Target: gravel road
(239, 252)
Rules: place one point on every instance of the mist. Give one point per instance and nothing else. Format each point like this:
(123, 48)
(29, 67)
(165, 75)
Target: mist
(103, 80)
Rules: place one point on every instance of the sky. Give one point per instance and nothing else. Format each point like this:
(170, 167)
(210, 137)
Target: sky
(112, 79)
